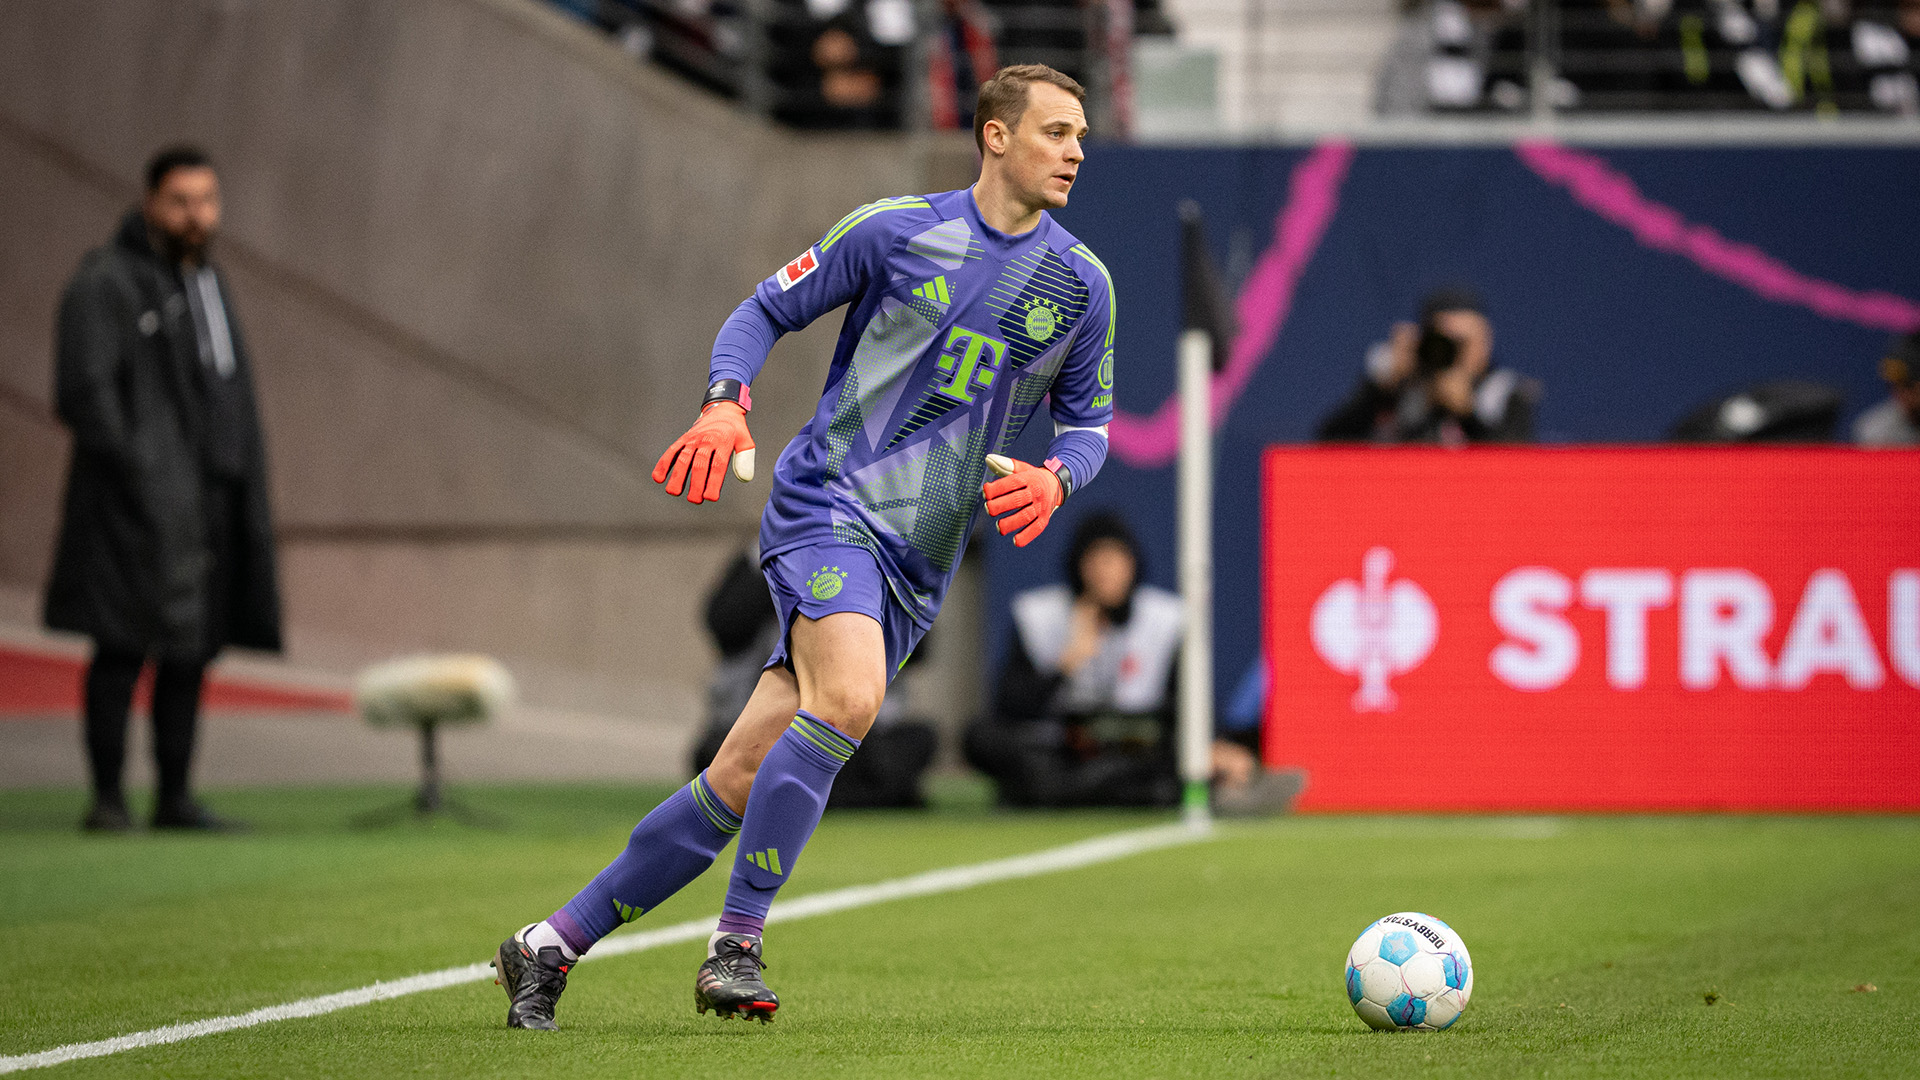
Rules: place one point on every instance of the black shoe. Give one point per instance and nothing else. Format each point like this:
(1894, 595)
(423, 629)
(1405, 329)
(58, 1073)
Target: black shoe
(107, 817)
(190, 815)
(533, 981)
(729, 982)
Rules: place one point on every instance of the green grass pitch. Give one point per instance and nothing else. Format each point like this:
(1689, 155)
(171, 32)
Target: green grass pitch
(1604, 946)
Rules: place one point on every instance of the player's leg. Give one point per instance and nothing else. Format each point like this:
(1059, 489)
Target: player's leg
(671, 846)
(841, 665)
(746, 745)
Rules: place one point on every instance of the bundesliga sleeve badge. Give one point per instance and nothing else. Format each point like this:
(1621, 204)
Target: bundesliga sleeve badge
(796, 271)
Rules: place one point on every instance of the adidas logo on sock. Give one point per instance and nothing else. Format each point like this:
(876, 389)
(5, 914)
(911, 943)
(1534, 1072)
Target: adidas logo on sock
(768, 860)
(628, 912)
(935, 290)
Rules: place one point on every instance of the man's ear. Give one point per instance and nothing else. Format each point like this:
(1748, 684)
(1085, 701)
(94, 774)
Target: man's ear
(994, 133)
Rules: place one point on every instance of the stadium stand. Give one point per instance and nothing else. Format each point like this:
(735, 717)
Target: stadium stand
(1284, 65)
(1640, 56)
(879, 63)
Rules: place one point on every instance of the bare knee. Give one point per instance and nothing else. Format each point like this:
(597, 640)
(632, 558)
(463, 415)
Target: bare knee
(850, 705)
(840, 662)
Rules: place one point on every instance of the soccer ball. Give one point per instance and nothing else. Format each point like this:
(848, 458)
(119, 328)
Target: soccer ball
(1409, 972)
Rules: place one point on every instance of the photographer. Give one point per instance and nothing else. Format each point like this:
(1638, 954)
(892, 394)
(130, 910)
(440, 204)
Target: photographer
(1436, 382)
(1896, 420)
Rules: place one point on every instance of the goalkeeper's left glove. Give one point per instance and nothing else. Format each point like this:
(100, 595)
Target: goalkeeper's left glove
(1026, 494)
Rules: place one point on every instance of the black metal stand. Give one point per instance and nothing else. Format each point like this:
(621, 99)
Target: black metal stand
(429, 802)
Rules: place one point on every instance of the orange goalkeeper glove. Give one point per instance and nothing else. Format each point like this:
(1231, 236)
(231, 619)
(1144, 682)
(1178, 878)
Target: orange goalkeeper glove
(719, 435)
(1026, 494)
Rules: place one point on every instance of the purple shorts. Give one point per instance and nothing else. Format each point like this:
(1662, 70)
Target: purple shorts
(822, 579)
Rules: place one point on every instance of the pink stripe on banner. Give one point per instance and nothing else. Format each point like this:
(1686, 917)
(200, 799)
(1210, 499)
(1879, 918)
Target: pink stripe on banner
(1313, 195)
(1612, 194)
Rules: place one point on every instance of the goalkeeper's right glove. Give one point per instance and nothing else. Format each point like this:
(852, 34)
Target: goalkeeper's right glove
(719, 435)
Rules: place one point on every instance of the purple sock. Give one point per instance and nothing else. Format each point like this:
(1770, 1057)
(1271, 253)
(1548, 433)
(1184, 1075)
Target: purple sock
(788, 794)
(670, 847)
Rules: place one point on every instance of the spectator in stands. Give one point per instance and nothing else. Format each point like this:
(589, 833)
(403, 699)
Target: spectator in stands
(1436, 381)
(961, 57)
(887, 769)
(1885, 41)
(166, 545)
(837, 64)
(1895, 421)
(1084, 714)
(1456, 55)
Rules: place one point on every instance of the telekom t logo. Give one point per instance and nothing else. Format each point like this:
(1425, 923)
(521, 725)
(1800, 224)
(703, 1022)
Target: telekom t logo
(973, 359)
(1374, 628)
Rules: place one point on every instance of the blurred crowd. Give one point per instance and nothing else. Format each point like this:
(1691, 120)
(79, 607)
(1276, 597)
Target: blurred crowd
(883, 64)
(1819, 56)
(853, 63)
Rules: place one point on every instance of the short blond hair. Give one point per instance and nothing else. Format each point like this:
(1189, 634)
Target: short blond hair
(1004, 97)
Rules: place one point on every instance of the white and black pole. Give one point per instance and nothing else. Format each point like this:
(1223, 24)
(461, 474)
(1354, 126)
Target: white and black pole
(1204, 340)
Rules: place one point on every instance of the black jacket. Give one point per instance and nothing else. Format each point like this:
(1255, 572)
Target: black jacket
(131, 568)
(1503, 413)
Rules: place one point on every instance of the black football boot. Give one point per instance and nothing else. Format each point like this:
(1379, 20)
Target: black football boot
(729, 982)
(533, 981)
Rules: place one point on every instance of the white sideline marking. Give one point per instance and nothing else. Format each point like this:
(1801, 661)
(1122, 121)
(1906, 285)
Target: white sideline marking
(1100, 849)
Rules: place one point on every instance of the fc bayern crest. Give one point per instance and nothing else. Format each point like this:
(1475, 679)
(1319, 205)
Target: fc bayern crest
(1374, 628)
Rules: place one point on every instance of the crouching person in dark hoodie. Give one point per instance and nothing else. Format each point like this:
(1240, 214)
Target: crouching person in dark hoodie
(1084, 710)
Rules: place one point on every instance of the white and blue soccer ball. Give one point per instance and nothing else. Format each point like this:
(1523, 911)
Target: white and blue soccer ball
(1409, 972)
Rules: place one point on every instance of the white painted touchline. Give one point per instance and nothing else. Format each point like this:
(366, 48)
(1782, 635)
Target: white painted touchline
(952, 879)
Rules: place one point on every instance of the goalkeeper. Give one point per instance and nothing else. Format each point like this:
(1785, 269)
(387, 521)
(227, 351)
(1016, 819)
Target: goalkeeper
(965, 310)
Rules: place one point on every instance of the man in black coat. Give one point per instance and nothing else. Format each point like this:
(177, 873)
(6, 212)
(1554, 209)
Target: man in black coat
(166, 545)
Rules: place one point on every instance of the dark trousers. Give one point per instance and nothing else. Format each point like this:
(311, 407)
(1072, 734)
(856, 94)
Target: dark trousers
(885, 772)
(176, 713)
(1035, 764)
(177, 682)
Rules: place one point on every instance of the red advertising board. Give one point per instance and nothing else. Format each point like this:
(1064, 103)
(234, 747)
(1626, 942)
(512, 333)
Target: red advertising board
(1594, 628)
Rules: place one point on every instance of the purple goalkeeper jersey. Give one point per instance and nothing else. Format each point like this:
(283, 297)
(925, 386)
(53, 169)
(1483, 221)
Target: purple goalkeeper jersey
(955, 333)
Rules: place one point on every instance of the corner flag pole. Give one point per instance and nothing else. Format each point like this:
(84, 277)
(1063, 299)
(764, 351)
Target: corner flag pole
(1208, 332)
(1196, 572)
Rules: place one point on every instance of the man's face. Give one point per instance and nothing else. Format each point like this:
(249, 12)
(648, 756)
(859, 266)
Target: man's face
(1107, 571)
(1042, 151)
(1473, 333)
(185, 209)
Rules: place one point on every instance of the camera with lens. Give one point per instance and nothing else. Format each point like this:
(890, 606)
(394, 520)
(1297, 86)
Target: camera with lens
(1435, 353)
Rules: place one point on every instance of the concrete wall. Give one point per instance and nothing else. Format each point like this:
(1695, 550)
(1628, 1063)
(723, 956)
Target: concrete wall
(480, 255)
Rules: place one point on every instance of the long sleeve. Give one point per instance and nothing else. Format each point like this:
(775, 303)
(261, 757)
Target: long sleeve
(1081, 400)
(87, 360)
(835, 270)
